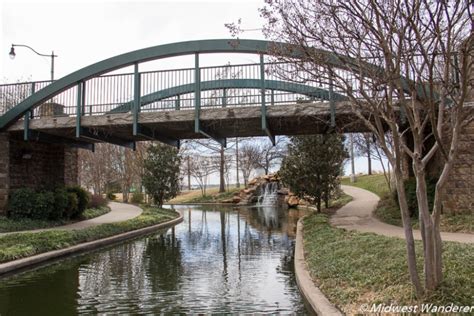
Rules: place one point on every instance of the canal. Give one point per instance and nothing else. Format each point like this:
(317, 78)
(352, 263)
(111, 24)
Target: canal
(218, 260)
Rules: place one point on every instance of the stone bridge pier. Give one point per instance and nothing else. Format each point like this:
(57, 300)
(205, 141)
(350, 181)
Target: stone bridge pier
(35, 165)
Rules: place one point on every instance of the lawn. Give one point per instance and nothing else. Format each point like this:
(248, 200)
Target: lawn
(387, 210)
(364, 268)
(212, 196)
(20, 245)
(13, 225)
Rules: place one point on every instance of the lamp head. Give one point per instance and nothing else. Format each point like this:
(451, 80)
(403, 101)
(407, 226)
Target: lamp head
(12, 53)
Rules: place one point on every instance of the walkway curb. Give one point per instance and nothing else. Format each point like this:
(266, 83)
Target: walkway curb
(318, 302)
(36, 260)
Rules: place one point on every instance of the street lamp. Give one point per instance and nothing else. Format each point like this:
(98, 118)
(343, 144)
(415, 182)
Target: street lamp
(12, 56)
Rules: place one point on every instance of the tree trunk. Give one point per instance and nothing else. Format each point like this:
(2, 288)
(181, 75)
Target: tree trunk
(189, 173)
(369, 160)
(237, 162)
(427, 229)
(408, 230)
(221, 172)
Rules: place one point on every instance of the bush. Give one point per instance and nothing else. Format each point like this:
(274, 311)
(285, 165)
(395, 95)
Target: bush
(410, 191)
(97, 201)
(61, 204)
(72, 205)
(137, 197)
(48, 205)
(21, 203)
(82, 200)
(111, 196)
(44, 206)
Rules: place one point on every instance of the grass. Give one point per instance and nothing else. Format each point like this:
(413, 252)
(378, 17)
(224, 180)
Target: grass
(388, 212)
(16, 246)
(374, 183)
(212, 196)
(353, 268)
(13, 225)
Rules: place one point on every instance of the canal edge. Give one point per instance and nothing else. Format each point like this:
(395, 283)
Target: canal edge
(43, 258)
(318, 302)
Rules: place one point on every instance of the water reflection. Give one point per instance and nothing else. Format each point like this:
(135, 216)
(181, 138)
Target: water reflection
(217, 260)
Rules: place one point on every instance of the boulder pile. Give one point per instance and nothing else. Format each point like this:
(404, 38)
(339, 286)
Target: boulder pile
(256, 187)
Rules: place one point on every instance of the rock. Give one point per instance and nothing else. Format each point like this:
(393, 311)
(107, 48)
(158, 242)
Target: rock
(228, 201)
(236, 199)
(250, 190)
(253, 181)
(293, 201)
(303, 202)
(283, 191)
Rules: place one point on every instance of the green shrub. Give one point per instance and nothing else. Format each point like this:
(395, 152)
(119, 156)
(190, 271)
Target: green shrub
(97, 201)
(410, 191)
(21, 203)
(111, 196)
(72, 206)
(44, 205)
(61, 203)
(137, 197)
(82, 200)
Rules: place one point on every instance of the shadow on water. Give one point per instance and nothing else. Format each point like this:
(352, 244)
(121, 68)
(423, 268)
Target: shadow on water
(220, 259)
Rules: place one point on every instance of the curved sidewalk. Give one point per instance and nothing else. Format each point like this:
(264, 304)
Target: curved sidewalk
(118, 212)
(357, 215)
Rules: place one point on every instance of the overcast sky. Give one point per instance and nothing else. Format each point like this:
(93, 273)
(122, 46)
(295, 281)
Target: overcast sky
(85, 32)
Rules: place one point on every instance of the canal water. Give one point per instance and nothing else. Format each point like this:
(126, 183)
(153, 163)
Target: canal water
(218, 260)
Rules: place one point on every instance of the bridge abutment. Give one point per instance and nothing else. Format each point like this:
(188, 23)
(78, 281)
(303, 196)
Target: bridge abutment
(459, 189)
(35, 165)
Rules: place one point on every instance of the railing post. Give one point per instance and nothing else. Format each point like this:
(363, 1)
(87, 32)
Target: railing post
(265, 126)
(136, 99)
(79, 109)
(332, 105)
(28, 115)
(197, 93)
(177, 104)
(83, 101)
(262, 91)
(224, 98)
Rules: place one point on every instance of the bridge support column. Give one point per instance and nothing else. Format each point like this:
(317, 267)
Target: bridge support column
(4, 171)
(35, 165)
(459, 189)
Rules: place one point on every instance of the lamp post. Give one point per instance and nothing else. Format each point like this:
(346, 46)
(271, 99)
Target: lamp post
(52, 56)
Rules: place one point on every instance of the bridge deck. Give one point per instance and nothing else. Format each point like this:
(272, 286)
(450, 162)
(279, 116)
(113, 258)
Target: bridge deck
(290, 119)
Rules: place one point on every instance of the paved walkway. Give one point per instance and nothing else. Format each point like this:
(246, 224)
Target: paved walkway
(118, 212)
(357, 215)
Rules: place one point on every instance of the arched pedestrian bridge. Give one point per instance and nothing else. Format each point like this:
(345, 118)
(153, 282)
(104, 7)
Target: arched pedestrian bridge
(118, 101)
(94, 104)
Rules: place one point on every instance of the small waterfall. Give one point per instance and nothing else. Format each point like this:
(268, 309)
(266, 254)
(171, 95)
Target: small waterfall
(269, 195)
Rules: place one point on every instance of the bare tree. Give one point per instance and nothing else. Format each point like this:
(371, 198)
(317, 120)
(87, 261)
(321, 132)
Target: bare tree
(249, 157)
(94, 168)
(271, 155)
(201, 169)
(365, 144)
(405, 66)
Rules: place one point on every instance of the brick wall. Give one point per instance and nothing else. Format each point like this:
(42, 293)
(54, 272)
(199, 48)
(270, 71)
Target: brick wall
(34, 165)
(4, 170)
(459, 190)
